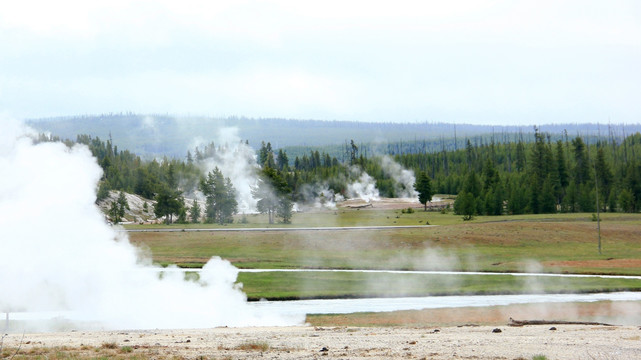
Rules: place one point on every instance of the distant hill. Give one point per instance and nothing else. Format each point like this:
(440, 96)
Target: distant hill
(159, 135)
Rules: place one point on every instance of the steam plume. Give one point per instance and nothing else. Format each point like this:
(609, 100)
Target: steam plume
(403, 178)
(317, 196)
(59, 255)
(364, 187)
(237, 161)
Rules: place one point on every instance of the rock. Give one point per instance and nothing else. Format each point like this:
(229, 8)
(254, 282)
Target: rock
(324, 349)
(553, 328)
(497, 330)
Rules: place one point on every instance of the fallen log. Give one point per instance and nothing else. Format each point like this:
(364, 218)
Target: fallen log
(513, 322)
(360, 206)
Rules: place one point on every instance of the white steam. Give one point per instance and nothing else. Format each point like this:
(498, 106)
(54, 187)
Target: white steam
(59, 255)
(237, 161)
(317, 196)
(403, 178)
(364, 187)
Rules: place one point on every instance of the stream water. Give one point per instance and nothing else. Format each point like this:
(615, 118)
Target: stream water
(344, 306)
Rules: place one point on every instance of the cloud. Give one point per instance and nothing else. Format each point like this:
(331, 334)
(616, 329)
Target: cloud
(481, 62)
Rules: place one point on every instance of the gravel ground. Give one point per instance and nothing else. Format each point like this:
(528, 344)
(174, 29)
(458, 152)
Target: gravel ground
(304, 342)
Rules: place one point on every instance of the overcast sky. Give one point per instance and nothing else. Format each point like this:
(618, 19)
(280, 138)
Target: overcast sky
(481, 62)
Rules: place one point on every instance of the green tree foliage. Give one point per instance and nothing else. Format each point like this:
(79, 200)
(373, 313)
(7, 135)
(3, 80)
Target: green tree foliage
(469, 201)
(273, 195)
(465, 204)
(266, 155)
(603, 178)
(168, 204)
(221, 204)
(282, 160)
(182, 211)
(117, 209)
(423, 186)
(581, 166)
(195, 212)
(526, 168)
(626, 200)
(517, 175)
(520, 156)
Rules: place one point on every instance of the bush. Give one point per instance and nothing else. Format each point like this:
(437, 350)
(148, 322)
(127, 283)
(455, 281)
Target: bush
(254, 346)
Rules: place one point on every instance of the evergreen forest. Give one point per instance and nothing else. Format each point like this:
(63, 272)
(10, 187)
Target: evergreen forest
(547, 174)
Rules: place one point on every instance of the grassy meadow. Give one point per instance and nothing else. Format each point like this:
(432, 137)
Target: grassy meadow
(557, 243)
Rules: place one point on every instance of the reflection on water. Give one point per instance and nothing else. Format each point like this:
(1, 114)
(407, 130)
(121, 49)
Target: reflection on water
(345, 306)
(67, 320)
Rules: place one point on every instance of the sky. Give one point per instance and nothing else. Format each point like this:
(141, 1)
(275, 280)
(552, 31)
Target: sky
(462, 61)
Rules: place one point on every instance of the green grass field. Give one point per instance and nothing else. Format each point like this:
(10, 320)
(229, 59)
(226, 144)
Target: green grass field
(281, 286)
(528, 243)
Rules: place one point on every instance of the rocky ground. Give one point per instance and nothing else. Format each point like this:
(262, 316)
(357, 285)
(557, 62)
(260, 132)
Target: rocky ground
(306, 342)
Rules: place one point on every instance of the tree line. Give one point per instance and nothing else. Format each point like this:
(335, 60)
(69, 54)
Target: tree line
(552, 173)
(544, 176)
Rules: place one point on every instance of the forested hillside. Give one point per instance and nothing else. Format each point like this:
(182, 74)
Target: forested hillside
(155, 136)
(553, 173)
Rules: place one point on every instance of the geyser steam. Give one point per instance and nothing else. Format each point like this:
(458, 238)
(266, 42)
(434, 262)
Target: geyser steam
(58, 254)
(236, 160)
(364, 187)
(404, 179)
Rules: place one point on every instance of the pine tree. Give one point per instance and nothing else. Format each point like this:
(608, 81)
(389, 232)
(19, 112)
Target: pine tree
(537, 172)
(603, 178)
(167, 204)
(626, 201)
(220, 203)
(581, 166)
(195, 212)
(282, 160)
(114, 212)
(182, 211)
(273, 195)
(517, 201)
(423, 186)
(548, 200)
(520, 156)
(465, 204)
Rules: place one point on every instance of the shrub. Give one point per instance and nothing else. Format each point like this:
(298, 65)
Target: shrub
(254, 346)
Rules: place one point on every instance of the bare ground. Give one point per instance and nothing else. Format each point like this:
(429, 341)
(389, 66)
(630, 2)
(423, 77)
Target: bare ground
(427, 334)
(306, 342)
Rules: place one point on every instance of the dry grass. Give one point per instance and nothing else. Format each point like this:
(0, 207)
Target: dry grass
(495, 246)
(253, 346)
(87, 352)
(109, 345)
